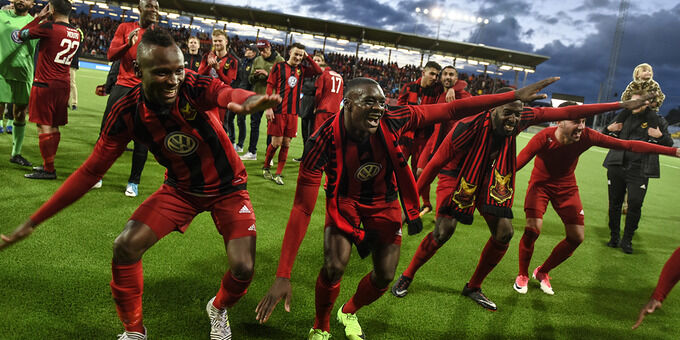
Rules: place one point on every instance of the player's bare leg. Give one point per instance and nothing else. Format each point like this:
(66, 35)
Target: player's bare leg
(48, 137)
(18, 133)
(494, 250)
(526, 251)
(337, 249)
(562, 251)
(127, 283)
(443, 230)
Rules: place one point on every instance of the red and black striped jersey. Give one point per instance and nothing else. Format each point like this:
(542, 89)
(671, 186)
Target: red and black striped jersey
(188, 139)
(414, 94)
(59, 42)
(286, 81)
(329, 92)
(227, 68)
(192, 61)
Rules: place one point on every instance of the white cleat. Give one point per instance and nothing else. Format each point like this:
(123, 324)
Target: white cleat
(248, 156)
(132, 335)
(544, 280)
(219, 322)
(521, 284)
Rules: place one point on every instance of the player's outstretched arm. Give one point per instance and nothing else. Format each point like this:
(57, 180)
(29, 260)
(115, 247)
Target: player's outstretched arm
(635, 103)
(280, 289)
(21, 232)
(530, 93)
(649, 308)
(256, 103)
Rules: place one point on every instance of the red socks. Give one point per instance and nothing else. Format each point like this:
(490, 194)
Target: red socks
(231, 290)
(492, 254)
(268, 156)
(670, 274)
(526, 250)
(283, 154)
(428, 247)
(366, 293)
(326, 293)
(560, 253)
(49, 142)
(127, 286)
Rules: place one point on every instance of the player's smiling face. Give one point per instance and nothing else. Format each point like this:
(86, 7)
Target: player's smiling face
(296, 56)
(572, 129)
(22, 6)
(148, 12)
(505, 119)
(429, 76)
(449, 77)
(219, 42)
(162, 73)
(194, 45)
(364, 108)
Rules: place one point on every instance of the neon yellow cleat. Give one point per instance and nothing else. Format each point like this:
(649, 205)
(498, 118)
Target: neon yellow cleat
(317, 334)
(352, 329)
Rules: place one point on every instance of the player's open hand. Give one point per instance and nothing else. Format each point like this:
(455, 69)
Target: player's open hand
(450, 95)
(530, 93)
(133, 37)
(255, 103)
(281, 288)
(20, 233)
(649, 308)
(269, 115)
(654, 132)
(615, 127)
(635, 103)
(45, 12)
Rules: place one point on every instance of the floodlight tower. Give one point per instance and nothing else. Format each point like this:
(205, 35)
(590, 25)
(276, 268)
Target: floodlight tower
(606, 91)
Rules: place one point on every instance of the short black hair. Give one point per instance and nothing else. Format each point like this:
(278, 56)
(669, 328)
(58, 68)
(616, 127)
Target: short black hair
(62, 7)
(504, 89)
(451, 67)
(356, 82)
(157, 37)
(567, 103)
(434, 65)
(297, 44)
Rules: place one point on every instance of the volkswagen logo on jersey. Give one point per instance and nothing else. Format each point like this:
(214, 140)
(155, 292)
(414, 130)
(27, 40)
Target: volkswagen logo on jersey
(181, 143)
(292, 81)
(367, 171)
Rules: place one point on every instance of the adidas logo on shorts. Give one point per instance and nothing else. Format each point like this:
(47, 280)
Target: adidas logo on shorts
(245, 210)
(581, 213)
(251, 228)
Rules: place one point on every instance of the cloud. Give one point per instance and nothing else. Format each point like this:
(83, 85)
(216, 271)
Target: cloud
(492, 8)
(505, 34)
(589, 5)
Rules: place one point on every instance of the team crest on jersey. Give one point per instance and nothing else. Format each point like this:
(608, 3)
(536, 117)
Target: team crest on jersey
(367, 171)
(501, 190)
(198, 63)
(464, 197)
(292, 81)
(248, 68)
(226, 66)
(644, 125)
(181, 143)
(188, 112)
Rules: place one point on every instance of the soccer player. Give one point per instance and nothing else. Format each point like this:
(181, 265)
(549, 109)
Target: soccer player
(124, 49)
(477, 164)
(219, 63)
(670, 275)
(285, 79)
(193, 57)
(59, 42)
(557, 150)
(175, 115)
(365, 171)
(16, 72)
(329, 93)
(449, 79)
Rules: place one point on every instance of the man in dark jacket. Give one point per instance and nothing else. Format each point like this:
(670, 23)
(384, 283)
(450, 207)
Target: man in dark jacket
(241, 82)
(631, 171)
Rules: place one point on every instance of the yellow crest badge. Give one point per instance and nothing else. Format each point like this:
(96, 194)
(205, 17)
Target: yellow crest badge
(465, 195)
(644, 125)
(181, 143)
(188, 112)
(367, 171)
(226, 66)
(501, 190)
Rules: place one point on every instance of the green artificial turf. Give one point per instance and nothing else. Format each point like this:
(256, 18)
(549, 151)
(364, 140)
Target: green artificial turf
(54, 285)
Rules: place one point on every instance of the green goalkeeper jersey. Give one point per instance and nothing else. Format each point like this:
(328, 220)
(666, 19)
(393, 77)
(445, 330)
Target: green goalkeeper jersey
(16, 60)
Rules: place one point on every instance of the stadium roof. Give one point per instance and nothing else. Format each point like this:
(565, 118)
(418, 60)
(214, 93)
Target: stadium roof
(355, 33)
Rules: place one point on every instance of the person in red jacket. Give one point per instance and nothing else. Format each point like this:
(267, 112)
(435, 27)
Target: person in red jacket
(174, 114)
(670, 275)
(366, 174)
(557, 150)
(449, 79)
(476, 167)
(285, 79)
(124, 49)
(329, 93)
(48, 101)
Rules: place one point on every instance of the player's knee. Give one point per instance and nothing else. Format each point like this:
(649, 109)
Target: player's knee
(504, 235)
(334, 270)
(576, 239)
(443, 231)
(243, 270)
(125, 251)
(383, 279)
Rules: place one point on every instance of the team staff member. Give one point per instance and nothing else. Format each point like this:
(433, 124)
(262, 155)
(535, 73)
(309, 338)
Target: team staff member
(241, 82)
(478, 158)
(365, 171)
(285, 79)
(175, 115)
(59, 42)
(630, 172)
(124, 48)
(557, 150)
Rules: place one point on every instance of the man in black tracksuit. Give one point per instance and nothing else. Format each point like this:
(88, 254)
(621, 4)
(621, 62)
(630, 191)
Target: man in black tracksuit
(241, 82)
(631, 171)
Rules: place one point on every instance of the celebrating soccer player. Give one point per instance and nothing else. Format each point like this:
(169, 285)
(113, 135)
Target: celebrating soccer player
(175, 115)
(366, 172)
(557, 150)
(285, 79)
(48, 103)
(477, 164)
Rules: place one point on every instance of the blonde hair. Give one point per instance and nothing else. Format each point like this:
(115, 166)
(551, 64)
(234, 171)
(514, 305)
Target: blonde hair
(220, 32)
(639, 68)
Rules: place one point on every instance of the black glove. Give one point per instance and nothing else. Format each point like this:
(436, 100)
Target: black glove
(415, 226)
